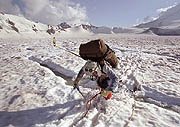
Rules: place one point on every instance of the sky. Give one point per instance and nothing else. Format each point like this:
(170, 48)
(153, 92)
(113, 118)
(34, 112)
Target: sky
(96, 12)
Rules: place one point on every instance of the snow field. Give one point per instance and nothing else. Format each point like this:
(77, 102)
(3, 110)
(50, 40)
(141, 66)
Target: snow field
(36, 83)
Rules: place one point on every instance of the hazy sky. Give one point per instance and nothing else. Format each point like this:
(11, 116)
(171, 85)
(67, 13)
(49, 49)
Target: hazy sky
(96, 12)
(123, 12)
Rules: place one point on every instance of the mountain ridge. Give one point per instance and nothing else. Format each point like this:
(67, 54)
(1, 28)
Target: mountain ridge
(168, 24)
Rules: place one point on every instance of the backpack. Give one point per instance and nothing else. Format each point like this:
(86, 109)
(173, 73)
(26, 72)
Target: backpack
(97, 50)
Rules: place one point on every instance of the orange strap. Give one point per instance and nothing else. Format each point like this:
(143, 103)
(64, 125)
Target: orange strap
(89, 101)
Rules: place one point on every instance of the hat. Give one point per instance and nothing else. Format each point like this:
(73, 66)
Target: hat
(90, 67)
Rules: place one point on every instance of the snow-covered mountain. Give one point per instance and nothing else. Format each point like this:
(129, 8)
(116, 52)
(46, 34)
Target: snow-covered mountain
(18, 25)
(11, 25)
(167, 24)
(110, 30)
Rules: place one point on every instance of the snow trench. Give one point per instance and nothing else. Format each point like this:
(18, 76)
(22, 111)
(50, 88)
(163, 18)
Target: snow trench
(56, 69)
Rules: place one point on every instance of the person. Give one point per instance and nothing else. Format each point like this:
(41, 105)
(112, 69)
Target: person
(106, 79)
(54, 41)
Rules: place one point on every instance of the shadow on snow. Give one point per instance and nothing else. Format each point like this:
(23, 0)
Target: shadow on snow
(40, 115)
(162, 99)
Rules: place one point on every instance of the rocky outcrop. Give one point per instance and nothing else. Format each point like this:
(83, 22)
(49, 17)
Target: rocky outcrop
(64, 25)
(50, 30)
(12, 24)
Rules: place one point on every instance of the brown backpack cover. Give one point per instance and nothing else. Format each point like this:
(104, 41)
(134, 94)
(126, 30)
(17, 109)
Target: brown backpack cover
(97, 50)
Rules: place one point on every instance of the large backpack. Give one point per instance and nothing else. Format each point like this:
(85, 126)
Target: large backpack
(97, 50)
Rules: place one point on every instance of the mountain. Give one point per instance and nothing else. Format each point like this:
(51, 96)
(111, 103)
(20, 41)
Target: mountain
(110, 30)
(167, 24)
(100, 30)
(163, 31)
(18, 25)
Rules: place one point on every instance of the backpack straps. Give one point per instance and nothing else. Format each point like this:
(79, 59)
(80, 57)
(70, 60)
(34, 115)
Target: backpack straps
(101, 65)
(106, 53)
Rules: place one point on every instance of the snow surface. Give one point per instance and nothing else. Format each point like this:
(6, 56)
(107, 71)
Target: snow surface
(36, 83)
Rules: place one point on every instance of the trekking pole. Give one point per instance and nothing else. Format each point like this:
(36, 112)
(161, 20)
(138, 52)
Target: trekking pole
(68, 51)
(71, 52)
(79, 91)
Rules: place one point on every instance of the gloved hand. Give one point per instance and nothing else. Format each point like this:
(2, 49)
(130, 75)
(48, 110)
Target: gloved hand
(75, 83)
(106, 93)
